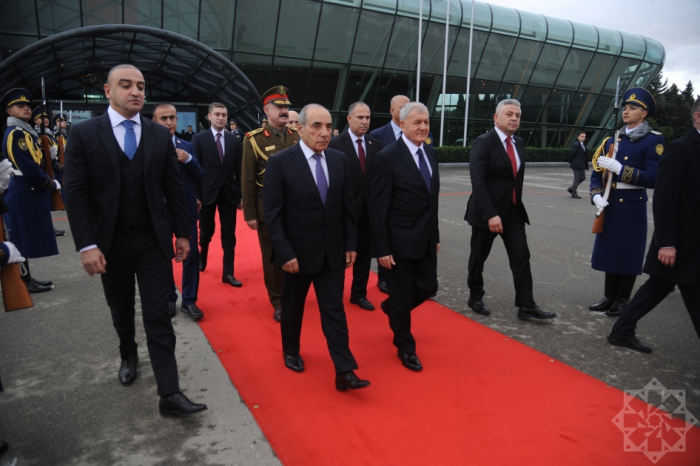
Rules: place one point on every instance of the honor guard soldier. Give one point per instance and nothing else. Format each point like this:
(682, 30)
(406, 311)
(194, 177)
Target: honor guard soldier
(619, 249)
(233, 128)
(59, 122)
(42, 113)
(28, 195)
(258, 146)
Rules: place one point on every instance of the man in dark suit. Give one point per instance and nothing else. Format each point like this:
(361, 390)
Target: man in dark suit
(404, 214)
(578, 161)
(121, 176)
(219, 154)
(360, 150)
(165, 114)
(497, 168)
(674, 254)
(309, 212)
(187, 135)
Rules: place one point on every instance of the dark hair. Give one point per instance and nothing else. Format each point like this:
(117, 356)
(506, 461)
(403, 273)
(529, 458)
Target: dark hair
(214, 105)
(354, 105)
(163, 104)
(581, 132)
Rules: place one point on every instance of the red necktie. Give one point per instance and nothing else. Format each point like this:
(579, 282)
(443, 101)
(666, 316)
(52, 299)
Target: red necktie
(514, 163)
(361, 153)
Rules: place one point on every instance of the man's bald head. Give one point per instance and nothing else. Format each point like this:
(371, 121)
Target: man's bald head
(397, 103)
(123, 66)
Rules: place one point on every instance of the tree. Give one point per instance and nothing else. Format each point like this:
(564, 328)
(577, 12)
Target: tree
(673, 108)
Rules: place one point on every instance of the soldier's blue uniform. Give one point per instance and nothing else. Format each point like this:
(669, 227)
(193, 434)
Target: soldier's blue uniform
(63, 136)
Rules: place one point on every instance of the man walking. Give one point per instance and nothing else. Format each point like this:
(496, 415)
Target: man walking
(578, 161)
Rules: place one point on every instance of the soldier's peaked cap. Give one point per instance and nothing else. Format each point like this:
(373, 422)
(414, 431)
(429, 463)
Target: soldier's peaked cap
(16, 96)
(278, 95)
(640, 97)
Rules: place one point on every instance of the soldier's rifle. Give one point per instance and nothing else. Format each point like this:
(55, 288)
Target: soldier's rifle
(59, 141)
(14, 291)
(56, 199)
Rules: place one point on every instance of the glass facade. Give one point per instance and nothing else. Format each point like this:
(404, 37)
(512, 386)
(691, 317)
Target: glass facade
(335, 52)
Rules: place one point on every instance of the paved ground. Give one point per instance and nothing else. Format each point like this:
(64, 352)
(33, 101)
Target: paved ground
(58, 361)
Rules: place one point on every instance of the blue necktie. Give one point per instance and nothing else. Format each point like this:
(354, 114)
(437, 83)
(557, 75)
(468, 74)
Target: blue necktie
(423, 167)
(129, 139)
(321, 180)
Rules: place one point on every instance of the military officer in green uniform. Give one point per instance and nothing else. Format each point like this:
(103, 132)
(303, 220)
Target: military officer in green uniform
(258, 146)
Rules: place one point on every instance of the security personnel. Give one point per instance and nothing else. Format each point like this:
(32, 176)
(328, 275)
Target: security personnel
(258, 146)
(619, 249)
(233, 128)
(29, 193)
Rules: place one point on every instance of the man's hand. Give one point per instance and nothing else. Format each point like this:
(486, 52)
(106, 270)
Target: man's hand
(240, 206)
(438, 249)
(182, 155)
(252, 224)
(54, 152)
(350, 257)
(57, 185)
(93, 261)
(292, 266)
(610, 164)
(667, 256)
(199, 205)
(5, 173)
(495, 225)
(15, 255)
(182, 249)
(599, 201)
(386, 261)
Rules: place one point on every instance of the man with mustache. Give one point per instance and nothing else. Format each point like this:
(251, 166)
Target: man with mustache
(258, 146)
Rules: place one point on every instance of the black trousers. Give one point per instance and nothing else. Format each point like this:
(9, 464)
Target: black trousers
(515, 241)
(360, 270)
(329, 292)
(227, 218)
(138, 253)
(411, 282)
(190, 272)
(648, 296)
(579, 177)
(619, 286)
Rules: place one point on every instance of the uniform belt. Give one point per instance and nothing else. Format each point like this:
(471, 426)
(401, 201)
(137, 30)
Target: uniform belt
(17, 173)
(620, 185)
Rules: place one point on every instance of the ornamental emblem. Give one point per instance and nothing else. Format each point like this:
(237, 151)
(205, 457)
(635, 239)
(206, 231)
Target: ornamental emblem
(659, 149)
(428, 141)
(22, 144)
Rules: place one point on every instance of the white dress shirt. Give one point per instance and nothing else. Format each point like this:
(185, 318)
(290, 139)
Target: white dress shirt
(309, 154)
(503, 136)
(222, 132)
(397, 129)
(354, 144)
(119, 130)
(414, 149)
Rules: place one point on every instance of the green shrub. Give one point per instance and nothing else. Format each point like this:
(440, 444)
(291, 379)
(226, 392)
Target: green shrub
(459, 154)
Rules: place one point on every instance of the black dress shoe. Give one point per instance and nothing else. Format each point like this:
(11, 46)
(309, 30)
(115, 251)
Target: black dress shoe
(59, 232)
(32, 287)
(363, 303)
(41, 282)
(383, 287)
(478, 306)
(602, 305)
(536, 312)
(3, 446)
(179, 405)
(203, 253)
(629, 342)
(277, 315)
(349, 380)
(575, 196)
(127, 372)
(617, 308)
(384, 307)
(171, 309)
(231, 280)
(294, 363)
(192, 311)
(571, 191)
(410, 361)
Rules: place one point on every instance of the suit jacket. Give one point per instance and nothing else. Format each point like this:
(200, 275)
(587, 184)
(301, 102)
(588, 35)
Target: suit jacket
(361, 180)
(216, 176)
(403, 214)
(191, 173)
(492, 180)
(385, 134)
(300, 225)
(676, 205)
(185, 136)
(578, 158)
(92, 175)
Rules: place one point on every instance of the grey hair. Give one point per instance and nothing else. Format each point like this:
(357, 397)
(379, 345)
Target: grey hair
(505, 102)
(409, 107)
(302, 113)
(353, 106)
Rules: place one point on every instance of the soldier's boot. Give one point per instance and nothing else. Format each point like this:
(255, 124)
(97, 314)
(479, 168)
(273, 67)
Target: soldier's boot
(33, 285)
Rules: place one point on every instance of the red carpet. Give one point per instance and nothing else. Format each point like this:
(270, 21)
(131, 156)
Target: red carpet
(482, 398)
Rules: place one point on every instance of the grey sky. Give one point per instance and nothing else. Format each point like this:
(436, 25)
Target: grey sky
(674, 23)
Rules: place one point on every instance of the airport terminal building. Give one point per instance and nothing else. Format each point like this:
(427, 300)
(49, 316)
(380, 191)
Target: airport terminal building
(332, 52)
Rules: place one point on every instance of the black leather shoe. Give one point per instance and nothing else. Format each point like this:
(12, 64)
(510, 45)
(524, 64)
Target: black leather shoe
(383, 287)
(571, 191)
(277, 315)
(536, 312)
(363, 303)
(3, 446)
(349, 380)
(294, 363)
(575, 196)
(192, 311)
(384, 307)
(629, 342)
(617, 308)
(179, 405)
(59, 232)
(602, 305)
(410, 361)
(203, 252)
(171, 309)
(231, 280)
(32, 287)
(41, 282)
(127, 372)
(478, 306)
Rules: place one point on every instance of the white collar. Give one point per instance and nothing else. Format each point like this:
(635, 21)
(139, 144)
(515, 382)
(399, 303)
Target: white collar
(411, 147)
(397, 129)
(116, 118)
(215, 132)
(309, 152)
(354, 137)
(503, 136)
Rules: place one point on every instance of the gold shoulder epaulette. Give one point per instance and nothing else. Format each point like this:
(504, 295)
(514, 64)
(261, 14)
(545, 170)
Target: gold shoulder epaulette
(250, 134)
(292, 128)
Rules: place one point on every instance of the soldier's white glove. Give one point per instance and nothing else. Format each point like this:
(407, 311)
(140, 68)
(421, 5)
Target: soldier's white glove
(54, 152)
(15, 255)
(610, 164)
(58, 185)
(599, 201)
(5, 173)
